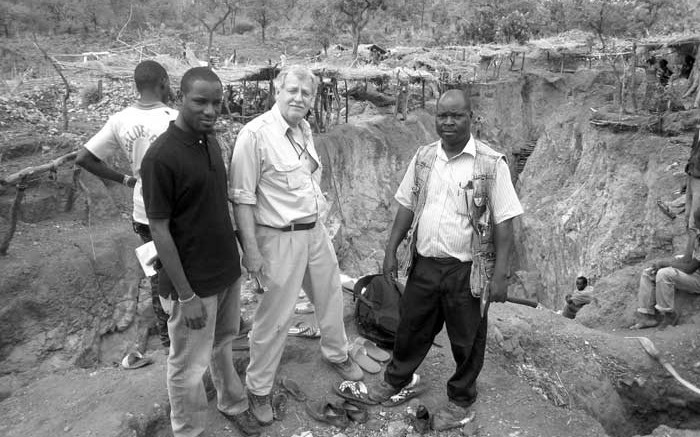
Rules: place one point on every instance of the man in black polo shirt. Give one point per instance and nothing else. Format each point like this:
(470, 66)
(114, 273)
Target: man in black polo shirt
(184, 188)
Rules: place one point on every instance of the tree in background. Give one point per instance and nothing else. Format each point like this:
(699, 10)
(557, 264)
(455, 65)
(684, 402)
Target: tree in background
(263, 12)
(356, 14)
(323, 25)
(212, 14)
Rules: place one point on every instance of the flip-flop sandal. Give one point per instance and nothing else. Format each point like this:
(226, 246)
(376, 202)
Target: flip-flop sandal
(354, 391)
(135, 360)
(373, 351)
(326, 412)
(279, 406)
(304, 308)
(293, 389)
(356, 412)
(303, 329)
(405, 395)
(298, 329)
(359, 355)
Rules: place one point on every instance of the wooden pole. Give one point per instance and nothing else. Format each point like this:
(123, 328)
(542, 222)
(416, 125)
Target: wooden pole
(522, 64)
(31, 171)
(243, 101)
(14, 212)
(347, 108)
(633, 78)
(422, 92)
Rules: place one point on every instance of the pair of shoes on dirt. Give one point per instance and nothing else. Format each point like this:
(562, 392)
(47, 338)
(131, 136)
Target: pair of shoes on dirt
(450, 417)
(338, 414)
(303, 329)
(267, 408)
(368, 355)
(381, 393)
(246, 423)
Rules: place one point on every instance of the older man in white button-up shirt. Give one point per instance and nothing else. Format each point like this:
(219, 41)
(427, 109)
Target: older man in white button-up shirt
(278, 205)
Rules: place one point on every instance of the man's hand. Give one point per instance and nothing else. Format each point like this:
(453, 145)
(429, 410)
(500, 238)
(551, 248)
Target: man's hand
(194, 313)
(499, 289)
(253, 262)
(390, 267)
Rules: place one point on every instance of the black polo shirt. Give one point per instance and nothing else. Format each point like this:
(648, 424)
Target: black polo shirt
(184, 180)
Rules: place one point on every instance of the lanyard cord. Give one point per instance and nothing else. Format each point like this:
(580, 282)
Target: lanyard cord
(296, 145)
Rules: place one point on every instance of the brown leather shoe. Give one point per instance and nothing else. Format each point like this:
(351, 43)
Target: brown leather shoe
(261, 408)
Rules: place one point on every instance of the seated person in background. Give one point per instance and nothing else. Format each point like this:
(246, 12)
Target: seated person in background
(663, 73)
(687, 66)
(582, 296)
(658, 283)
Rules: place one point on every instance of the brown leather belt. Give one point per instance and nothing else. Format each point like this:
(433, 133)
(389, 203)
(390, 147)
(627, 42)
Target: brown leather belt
(294, 227)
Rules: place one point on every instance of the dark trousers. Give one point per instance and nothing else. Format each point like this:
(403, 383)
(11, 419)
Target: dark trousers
(438, 292)
(161, 316)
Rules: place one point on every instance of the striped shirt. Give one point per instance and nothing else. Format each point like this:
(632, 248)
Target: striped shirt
(443, 228)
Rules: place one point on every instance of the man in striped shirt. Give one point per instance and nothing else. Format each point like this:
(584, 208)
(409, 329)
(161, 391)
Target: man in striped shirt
(433, 202)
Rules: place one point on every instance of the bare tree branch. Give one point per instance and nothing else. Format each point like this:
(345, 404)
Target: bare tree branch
(57, 67)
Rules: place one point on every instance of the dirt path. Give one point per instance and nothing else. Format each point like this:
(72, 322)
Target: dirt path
(115, 402)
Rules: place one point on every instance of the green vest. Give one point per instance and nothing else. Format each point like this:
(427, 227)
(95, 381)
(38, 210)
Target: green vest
(477, 194)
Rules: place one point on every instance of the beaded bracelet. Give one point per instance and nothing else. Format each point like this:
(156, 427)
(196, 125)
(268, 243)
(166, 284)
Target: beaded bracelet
(186, 300)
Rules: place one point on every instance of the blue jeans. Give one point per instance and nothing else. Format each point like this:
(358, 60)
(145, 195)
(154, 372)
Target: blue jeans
(191, 351)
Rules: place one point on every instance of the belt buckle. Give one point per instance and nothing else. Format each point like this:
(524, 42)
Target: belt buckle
(292, 227)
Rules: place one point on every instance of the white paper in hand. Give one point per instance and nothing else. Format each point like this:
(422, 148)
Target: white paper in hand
(147, 255)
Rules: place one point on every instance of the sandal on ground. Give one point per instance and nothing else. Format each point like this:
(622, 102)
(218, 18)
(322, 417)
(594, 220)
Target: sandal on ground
(279, 406)
(356, 412)
(373, 351)
(304, 308)
(359, 355)
(134, 360)
(293, 389)
(303, 329)
(326, 412)
(354, 391)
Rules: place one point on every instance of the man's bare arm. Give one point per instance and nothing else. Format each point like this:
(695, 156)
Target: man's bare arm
(503, 242)
(402, 223)
(192, 307)
(96, 166)
(245, 220)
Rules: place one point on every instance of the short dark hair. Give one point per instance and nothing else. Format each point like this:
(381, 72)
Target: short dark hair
(149, 74)
(197, 73)
(464, 94)
(583, 279)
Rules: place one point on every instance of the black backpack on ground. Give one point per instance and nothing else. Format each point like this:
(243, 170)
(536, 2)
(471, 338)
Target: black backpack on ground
(377, 309)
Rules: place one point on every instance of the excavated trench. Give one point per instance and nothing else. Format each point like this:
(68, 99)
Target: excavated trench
(590, 209)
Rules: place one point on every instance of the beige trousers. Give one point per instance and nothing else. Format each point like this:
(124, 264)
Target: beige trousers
(294, 260)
